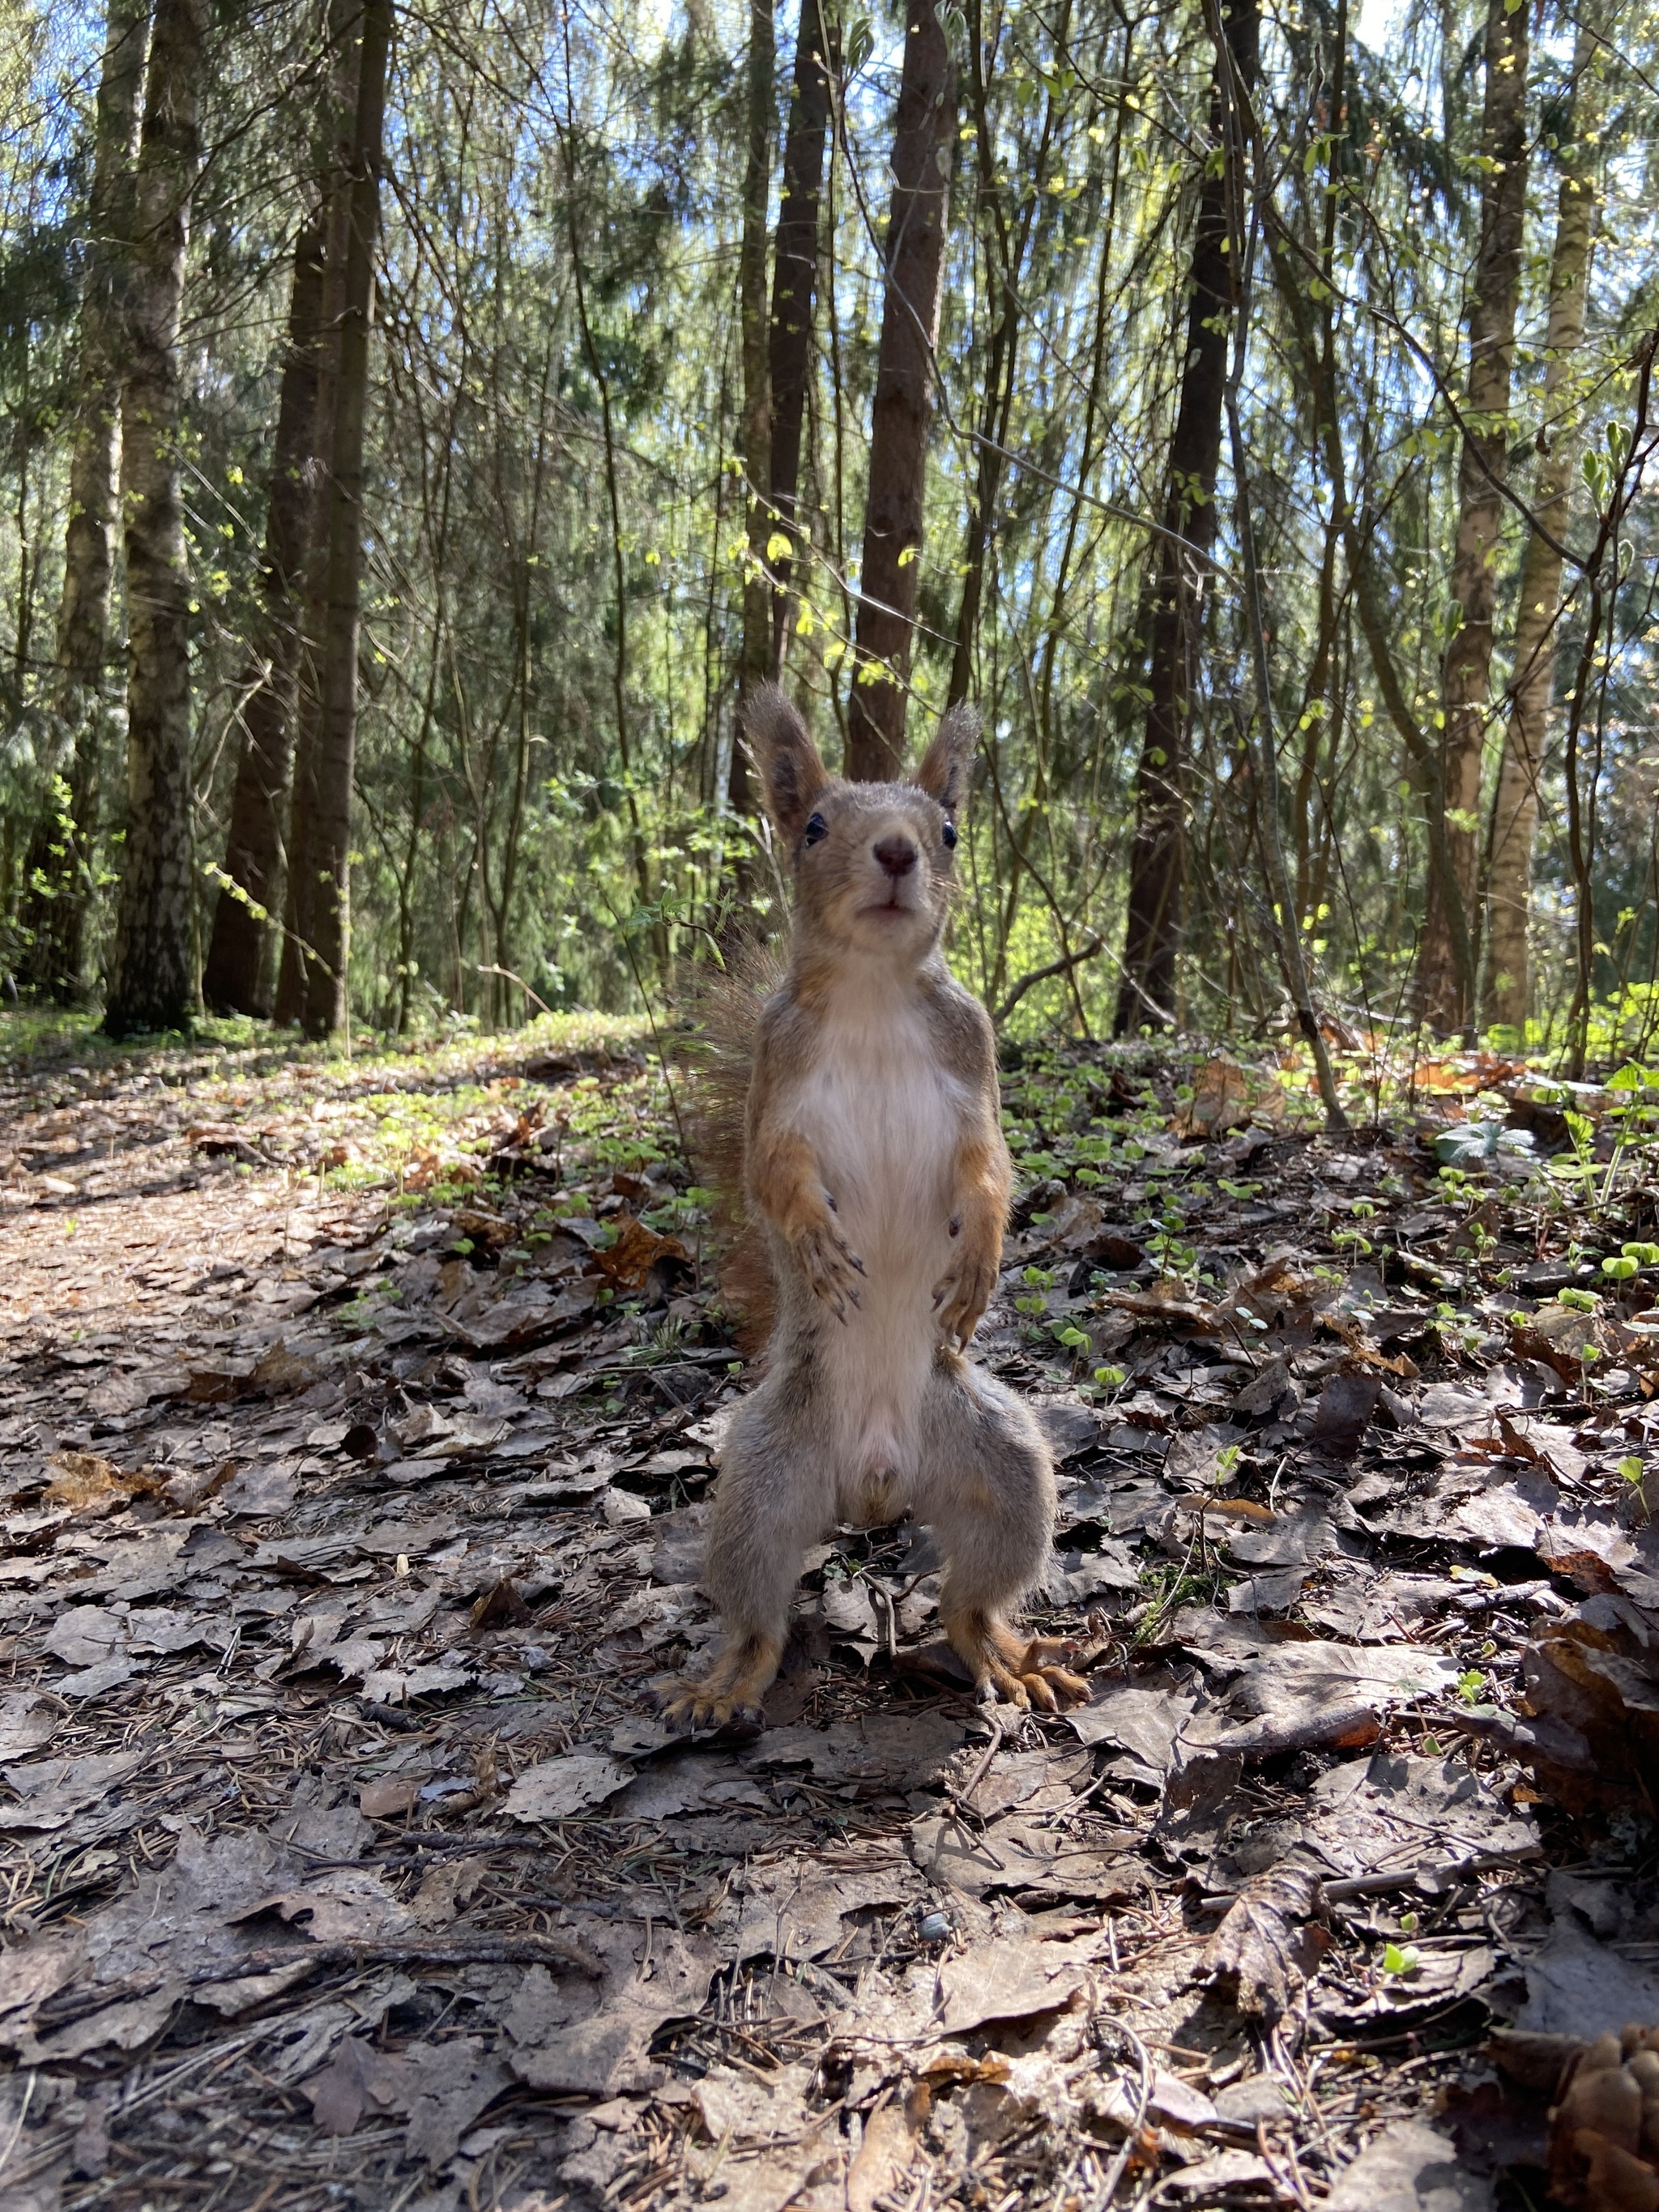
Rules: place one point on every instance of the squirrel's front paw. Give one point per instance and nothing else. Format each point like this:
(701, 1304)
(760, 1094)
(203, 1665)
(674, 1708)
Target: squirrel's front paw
(830, 1266)
(962, 1296)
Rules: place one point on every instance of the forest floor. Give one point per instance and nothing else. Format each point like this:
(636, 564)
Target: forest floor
(355, 1421)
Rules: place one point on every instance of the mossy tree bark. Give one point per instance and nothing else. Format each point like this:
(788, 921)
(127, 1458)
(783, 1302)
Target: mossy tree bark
(1515, 816)
(58, 869)
(923, 142)
(153, 971)
(1157, 858)
(760, 103)
(1445, 980)
(328, 950)
(337, 135)
(239, 977)
(794, 281)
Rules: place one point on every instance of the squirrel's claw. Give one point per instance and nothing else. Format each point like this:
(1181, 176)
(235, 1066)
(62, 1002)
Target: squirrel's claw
(964, 1294)
(830, 1265)
(728, 1697)
(1023, 1671)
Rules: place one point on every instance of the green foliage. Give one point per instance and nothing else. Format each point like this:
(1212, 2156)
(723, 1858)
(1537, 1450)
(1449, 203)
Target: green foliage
(544, 764)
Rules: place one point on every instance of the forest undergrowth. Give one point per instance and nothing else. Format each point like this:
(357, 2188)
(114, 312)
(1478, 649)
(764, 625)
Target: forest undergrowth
(356, 1421)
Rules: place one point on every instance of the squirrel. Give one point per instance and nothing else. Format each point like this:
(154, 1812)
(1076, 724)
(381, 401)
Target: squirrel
(874, 1166)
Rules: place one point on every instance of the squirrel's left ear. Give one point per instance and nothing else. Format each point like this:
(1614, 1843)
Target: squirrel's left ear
(792, 775)
(944, 768)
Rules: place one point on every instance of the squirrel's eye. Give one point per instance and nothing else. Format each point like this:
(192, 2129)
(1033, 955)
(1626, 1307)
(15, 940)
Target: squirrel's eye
(817, 828)
(949, 834)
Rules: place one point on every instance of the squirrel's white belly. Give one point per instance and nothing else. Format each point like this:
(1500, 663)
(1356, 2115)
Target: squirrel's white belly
(885, 1125)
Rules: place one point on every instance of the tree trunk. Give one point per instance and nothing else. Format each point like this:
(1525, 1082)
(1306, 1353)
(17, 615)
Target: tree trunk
(330, 937)
(757, 402)
(1515, 821)
(1323, 401)
(1157, 858)
(1006, 244)
(60, 853)
(238, 978)
(923, 134)
(794, 279)
(153, 971)
(1445, 986)
(335, 135)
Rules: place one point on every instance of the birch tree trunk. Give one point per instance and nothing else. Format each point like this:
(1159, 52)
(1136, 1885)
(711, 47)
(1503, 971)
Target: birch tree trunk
(923, 135)
(60, 855)
(1445, 984)
(1157, 858)
(330, 940)
(239, 975)
(794, 281)
(152, 972)
(1515, 818)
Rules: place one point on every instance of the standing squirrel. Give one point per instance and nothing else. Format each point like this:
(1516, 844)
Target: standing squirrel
(874, 1165)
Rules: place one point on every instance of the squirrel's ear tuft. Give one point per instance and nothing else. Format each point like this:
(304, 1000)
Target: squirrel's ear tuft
(943, 769)
(792, 775)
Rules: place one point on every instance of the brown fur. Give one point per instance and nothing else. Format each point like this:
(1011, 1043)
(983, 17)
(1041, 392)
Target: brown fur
(870, 1119)
(718, 1055)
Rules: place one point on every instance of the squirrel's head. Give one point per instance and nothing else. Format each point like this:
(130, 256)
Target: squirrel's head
(874, 863)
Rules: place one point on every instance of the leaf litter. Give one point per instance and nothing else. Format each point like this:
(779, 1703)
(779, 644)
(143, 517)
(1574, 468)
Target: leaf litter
(356, 1425)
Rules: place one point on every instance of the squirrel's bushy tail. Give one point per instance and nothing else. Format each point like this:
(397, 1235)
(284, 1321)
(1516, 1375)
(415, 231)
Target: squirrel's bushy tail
(718, 1053)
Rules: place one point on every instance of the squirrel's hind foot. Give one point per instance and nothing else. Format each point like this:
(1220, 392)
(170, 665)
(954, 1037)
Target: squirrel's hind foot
(1024, 1672)
(730, 1692)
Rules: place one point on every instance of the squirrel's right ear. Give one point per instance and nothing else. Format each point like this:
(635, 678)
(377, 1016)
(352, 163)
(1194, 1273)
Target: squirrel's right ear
(792, 775)
(943, 769)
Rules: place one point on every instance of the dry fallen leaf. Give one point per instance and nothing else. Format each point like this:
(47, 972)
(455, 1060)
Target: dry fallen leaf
(83, 1479)
(888, 2151)
(1269, 1943)
(794, 1907)
(28, 1718)
(500, 1607)
(1344, 1410)
(1411, 2167)
(559, 1787)
(1221, 1099)
(1303, 1694)
(388, 1799)
(572, 2037)
(1010, 1977)
(358, 2079)
(1590, 1730)
(638, 1252)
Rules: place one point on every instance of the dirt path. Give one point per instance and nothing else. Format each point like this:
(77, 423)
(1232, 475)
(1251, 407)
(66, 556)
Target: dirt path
(354, 1424)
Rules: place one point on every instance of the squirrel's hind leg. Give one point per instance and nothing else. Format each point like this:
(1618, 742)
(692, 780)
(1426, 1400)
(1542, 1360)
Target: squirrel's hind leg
(987, 1487)
(731, 1690)
(768, 1507)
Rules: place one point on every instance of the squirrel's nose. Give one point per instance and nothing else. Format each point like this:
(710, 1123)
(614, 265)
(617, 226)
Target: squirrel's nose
(897, 855)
